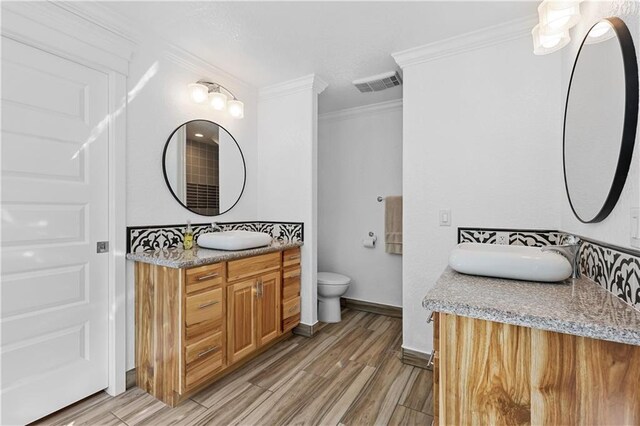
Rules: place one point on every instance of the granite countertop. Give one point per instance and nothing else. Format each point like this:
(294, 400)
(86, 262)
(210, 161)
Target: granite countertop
(579, 307)
(198, 256)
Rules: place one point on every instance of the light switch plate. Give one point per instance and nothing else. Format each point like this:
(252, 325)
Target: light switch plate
(635, 227)
(445, 217)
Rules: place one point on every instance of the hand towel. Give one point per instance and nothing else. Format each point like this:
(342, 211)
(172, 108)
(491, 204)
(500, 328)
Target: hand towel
(393, 224)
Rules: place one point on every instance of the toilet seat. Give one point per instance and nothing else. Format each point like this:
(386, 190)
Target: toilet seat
(331, 278)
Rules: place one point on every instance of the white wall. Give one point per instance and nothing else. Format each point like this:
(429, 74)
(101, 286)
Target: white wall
(157, 108)
(359, 158)
(481, 131)
(616, 228)
(287, 180)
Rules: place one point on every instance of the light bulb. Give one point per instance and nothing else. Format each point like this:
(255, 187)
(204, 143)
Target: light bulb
(218, 100)
(198, 135)
(235, 108)
(198, 92)
(545, 41)
(558, 15)
(550, 41)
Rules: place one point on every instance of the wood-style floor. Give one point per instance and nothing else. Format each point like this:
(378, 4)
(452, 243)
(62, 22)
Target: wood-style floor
(348, 373)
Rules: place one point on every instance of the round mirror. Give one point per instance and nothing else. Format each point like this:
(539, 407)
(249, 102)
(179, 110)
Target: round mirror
(600, 120)
(204, 167)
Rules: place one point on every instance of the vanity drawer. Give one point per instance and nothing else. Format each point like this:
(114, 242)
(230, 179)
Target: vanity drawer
(290, 283)
(291, 257)
(204, 277)
(203, 313)
(290, 308)
(243, 268)
(203, 358)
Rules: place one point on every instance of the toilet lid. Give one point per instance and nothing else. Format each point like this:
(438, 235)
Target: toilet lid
(331, 278)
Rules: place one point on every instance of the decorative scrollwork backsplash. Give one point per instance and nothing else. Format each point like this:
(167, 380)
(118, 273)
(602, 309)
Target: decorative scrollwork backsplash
(145, 238)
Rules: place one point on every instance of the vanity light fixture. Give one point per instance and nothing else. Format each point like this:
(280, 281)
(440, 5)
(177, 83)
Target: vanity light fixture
(214, 93)
(198, 92)
(558, 15)
(235, 108)
(545, 41)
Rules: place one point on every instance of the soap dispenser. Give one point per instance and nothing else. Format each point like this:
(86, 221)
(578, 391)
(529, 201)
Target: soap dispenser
(188, 237)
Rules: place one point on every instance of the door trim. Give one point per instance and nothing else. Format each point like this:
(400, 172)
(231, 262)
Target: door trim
(52, 29)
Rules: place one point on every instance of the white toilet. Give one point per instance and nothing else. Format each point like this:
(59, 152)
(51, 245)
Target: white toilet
(330, 287)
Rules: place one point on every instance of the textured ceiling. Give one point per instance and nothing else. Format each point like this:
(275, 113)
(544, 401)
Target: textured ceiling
(265, 43)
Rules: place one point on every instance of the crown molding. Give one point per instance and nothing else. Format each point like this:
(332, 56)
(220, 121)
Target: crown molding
(359, 111)
(308, 82)
(50, 26)
(485, 37)
(197, 65)
(102, 16)
(137, 34)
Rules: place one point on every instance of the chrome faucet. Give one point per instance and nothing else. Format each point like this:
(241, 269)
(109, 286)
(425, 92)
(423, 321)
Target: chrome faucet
(215, 227)
(570, 249)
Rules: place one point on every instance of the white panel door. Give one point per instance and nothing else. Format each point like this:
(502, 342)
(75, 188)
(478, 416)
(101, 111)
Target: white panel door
(54, 287)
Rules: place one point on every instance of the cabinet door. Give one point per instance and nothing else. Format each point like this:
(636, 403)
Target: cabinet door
(268, 307)
(241, 319)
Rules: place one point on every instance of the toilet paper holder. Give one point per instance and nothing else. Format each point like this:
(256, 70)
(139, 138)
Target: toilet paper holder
(371, 241)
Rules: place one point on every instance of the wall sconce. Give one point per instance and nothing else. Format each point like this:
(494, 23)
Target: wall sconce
(545, 42)
(559, 15)
(204, 91)
(555, 17)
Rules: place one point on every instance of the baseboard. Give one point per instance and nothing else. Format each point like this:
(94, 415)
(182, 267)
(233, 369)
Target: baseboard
(130, 380)
(415, 358)
(306, 330)
(376, 308)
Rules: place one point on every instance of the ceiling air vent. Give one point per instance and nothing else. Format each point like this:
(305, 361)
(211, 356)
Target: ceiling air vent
(379, 82)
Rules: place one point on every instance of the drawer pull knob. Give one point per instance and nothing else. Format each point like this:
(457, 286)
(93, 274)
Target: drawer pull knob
(206, 277)
(431, 358)
(208, 351)
(204, 305)
(293, 308)
(294, 257)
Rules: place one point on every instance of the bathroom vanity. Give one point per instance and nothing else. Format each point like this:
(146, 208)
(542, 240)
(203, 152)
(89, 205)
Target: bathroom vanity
(202, 313)
(515, 352)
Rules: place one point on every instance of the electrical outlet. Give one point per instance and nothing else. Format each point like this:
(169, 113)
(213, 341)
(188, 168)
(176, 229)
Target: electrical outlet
(635, 227)
(502, 238)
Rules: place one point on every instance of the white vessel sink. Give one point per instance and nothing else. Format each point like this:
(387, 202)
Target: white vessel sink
(234, 240)
(513, 262)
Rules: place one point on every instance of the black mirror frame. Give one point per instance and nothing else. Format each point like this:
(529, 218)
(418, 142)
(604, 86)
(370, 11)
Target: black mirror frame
(164, 168)
(630, 120)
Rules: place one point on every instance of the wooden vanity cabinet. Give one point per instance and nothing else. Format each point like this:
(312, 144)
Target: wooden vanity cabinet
(254, 303)
(487, 372)
(193, 325)
(291, 274)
